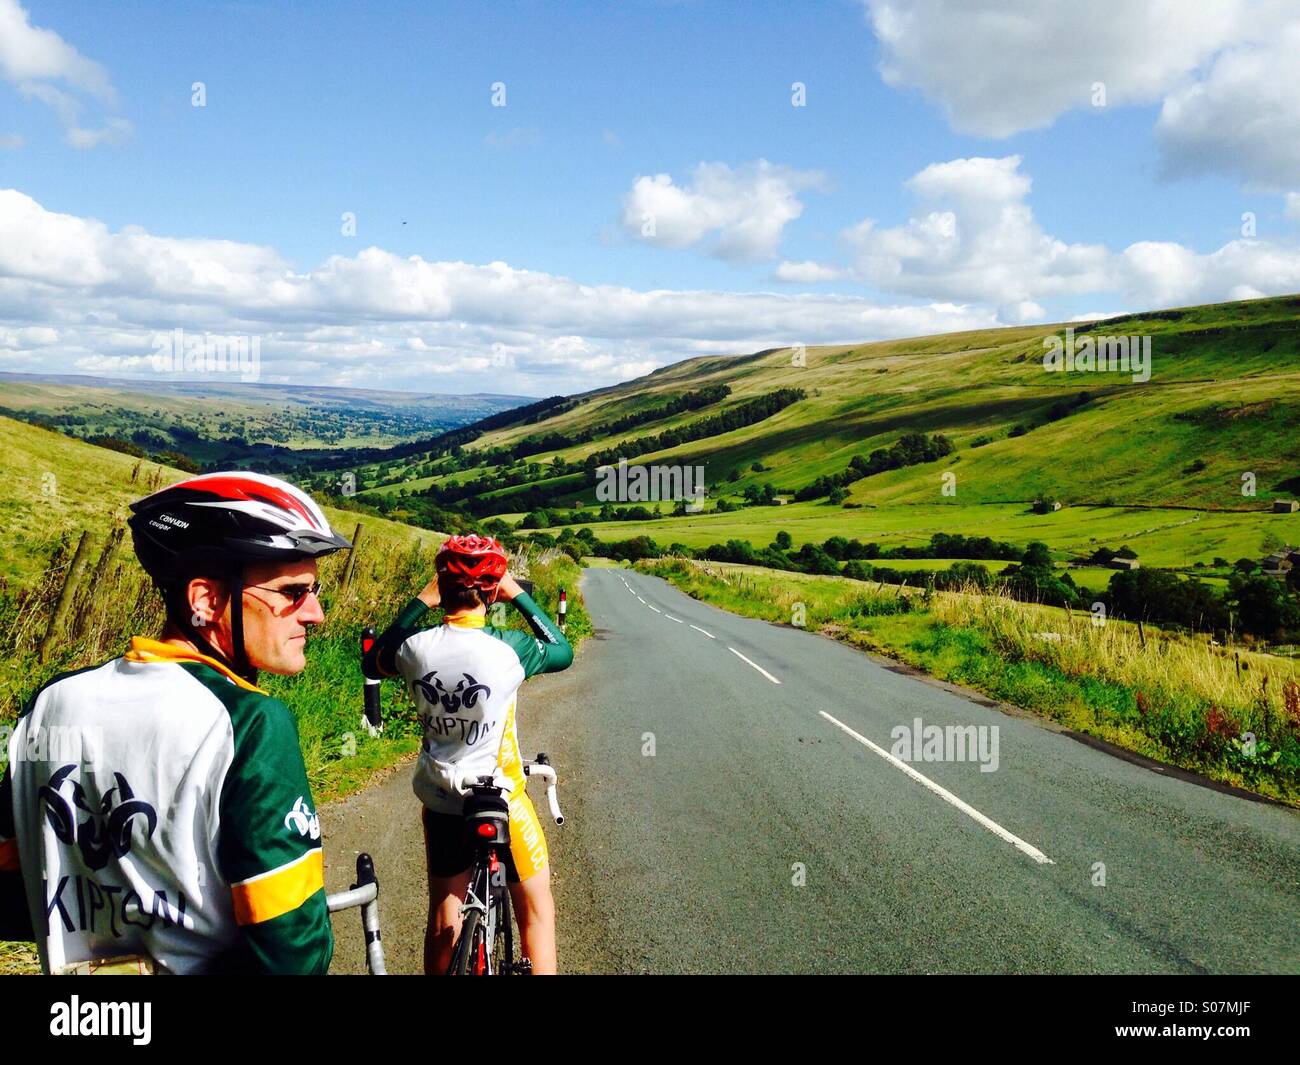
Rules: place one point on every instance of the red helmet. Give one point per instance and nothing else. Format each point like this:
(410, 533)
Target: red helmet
(476, 561)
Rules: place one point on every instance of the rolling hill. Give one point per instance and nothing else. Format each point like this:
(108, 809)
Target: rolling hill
(1166, 458)
(210, 421)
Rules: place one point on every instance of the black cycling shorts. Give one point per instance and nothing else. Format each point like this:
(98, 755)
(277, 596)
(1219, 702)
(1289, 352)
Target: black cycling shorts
(447, 852)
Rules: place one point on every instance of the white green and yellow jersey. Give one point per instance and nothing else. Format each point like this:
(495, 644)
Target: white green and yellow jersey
(158, 804)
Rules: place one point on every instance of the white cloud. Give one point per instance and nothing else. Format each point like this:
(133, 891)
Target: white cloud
(976, 241)
(1224, 71)
(1293, 205)
(388, 320)
(741, 212)
(34, 59)
(808, 273)
(1163, 274)
(1242, 118)
(25, 339)
(979, 241)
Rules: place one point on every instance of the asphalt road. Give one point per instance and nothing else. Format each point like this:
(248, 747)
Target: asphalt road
(732, 807)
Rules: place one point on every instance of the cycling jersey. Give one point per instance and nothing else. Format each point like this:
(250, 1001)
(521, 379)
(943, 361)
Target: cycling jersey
(158, 804)
(464, 677)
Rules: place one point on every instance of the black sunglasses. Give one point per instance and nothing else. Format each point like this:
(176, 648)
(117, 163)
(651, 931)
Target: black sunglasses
(295, 593)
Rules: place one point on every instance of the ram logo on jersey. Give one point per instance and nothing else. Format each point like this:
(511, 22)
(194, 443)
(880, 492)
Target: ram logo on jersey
(302, 820)
(452, 700)
(106, 833)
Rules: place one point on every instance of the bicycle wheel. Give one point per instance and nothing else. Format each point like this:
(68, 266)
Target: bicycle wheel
(471, 934)
(503, 947)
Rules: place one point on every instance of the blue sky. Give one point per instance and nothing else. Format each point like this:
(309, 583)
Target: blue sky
(950, 170)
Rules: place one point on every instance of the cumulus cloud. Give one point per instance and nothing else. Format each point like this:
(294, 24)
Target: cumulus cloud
(1242, 118)
(1163, 274)
(1223, 71)
(975, 239)
(386, 320)
(737, 214)
(44, 67)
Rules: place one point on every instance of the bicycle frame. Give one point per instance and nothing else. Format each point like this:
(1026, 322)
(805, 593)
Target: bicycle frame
(485, 912)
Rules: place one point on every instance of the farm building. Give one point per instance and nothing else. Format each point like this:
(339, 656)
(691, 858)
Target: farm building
(1280, 563)
(1123, 563)
(1285, 506)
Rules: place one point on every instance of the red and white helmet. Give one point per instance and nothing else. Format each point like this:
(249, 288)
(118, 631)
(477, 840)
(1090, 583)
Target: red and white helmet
(227, 519)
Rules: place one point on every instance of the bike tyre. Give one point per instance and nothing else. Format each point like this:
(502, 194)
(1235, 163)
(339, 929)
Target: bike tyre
(469, 931)
(503, 954)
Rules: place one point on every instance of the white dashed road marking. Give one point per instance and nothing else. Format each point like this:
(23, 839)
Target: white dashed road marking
(946, 795)
(755, 665)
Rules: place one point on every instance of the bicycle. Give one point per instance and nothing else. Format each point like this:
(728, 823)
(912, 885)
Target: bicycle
(485, 946)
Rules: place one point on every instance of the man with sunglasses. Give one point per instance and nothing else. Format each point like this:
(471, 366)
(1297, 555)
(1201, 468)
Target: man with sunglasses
(184, 835)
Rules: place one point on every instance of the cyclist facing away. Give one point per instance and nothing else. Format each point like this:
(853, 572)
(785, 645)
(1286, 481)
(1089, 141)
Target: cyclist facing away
(464, 676)
(178, 825)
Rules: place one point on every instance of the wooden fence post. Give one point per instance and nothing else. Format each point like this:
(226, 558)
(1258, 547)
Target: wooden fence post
(352, 563)
(100, 572)
(70, 583)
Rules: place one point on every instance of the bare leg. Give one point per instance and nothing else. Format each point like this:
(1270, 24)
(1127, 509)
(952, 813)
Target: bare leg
(535, 912)
(445, 895)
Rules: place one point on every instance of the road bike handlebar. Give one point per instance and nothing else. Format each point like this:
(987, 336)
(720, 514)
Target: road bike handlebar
(365, 894)
(542, 769)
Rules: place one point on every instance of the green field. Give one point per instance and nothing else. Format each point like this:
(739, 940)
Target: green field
(1171, 538)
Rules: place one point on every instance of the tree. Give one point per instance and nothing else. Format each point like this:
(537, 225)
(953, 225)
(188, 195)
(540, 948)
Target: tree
(1262, 605)
(783, 541)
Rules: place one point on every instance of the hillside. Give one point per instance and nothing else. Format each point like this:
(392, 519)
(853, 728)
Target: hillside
(54, 486)
(209, 421)
(1222, 400)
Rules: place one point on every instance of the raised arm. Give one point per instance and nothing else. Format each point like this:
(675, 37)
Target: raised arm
(547, 650)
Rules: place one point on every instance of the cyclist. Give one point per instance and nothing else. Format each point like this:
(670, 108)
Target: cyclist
(181, 830)
(464, 676)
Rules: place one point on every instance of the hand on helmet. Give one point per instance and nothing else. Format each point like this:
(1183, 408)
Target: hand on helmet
(430, 596)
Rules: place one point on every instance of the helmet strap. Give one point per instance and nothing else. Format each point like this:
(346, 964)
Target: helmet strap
(178, 612)
(242, 666)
